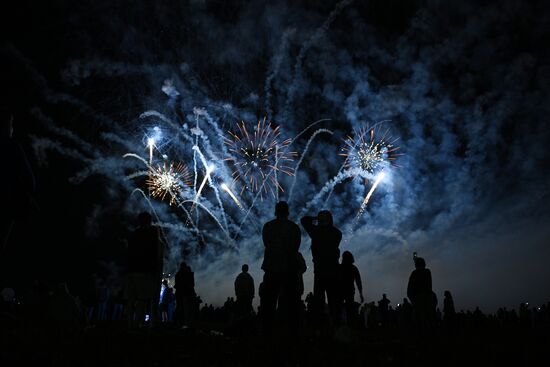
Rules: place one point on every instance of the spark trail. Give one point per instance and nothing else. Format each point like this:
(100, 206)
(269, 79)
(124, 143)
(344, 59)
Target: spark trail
(230, 193)
(297, 167)
(379, 179)
(150, 145)
(209, 170)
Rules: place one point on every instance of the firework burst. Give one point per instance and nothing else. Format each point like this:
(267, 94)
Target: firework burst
(257, 155)
(163, 181)
(368, 151)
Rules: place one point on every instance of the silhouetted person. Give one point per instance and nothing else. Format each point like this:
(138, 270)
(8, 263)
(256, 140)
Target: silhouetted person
(167, 302)
(419, 291)
(479, 318)
(145, 257)
(302, 267)
(18, 186)
(406, 313)
(244, 291)
(325, 242)
(383, 309)
(185, 296)
(448, 308)
(281, 238)
(350, 277)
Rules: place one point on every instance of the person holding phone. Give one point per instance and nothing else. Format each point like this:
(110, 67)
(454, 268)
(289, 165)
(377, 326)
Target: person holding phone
(325, 242)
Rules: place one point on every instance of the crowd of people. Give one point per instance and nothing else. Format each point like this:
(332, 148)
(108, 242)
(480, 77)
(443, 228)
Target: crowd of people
(148, 299)
(152, 319)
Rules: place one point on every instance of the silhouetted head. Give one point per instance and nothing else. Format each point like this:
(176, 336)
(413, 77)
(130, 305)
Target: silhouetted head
(183, 265)
(347, 258)
(384, 295)
(281, 209)
(7, 122)
(325, 218)
(419, 263)
(447, 294)
(245, 268)
(144, 219)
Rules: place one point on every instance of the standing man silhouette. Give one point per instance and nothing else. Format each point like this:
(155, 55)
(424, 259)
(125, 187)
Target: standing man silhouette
(143, 281)
(349, 278)
(244, 291)
(281, 238)
(325, 242)
(423, 299)
(186, 296)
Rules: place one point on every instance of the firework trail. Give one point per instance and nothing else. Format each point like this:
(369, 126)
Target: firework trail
(209, 170)
(226, 189)
(151, 145)
(306, 129)
(209, 177)
(214, 124)
(274, 69)
(117, 139)
(379, 178)
(133, 155)
(84, 145)
(196, 203)
(156, 114)
(41, 145)
(305, 48)
(330, 186)
(137, 174)
(297, 167)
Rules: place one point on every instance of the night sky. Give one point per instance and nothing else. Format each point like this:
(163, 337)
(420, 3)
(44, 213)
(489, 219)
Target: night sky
(463, 85)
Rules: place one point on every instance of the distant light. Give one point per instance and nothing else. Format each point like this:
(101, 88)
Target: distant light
(150, 142)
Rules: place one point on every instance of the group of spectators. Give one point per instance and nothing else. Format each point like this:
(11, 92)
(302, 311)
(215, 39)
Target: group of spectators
(147, 299)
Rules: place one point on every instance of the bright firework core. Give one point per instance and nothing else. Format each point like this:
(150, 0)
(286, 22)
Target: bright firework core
(368, 152)
(257, 155)
(164, 181)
